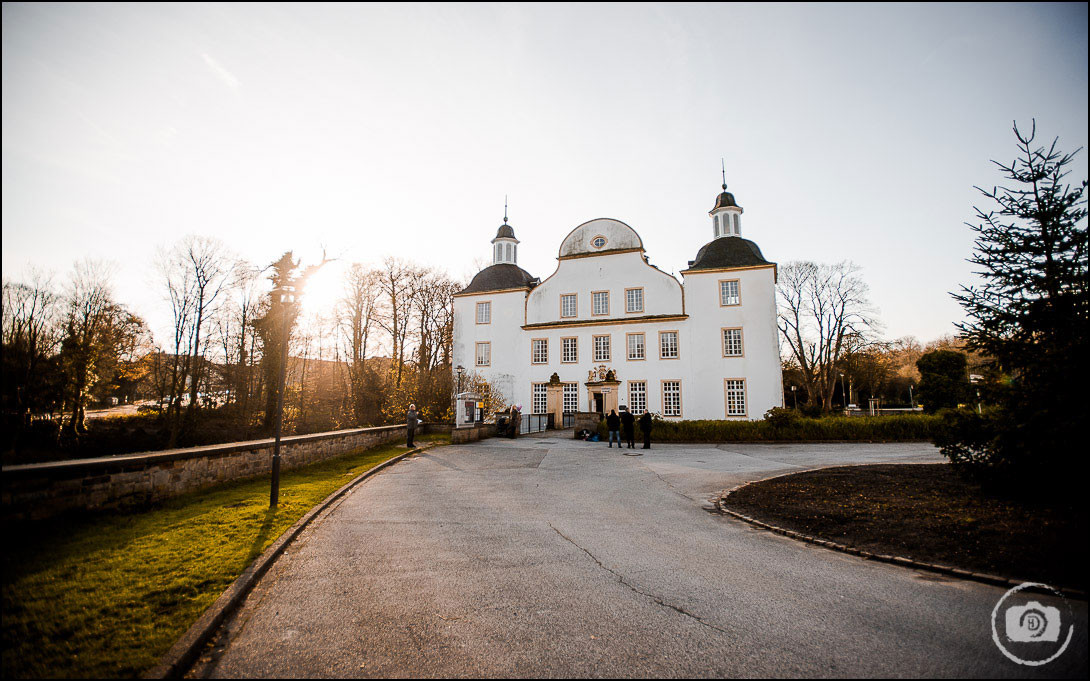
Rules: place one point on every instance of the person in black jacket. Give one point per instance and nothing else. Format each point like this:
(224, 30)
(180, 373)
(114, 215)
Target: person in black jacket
(613, 425)
(645, 426)
(412, 419)
(628, 425)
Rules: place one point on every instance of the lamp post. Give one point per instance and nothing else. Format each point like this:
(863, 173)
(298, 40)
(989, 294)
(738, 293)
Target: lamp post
(287, 300)
(911, 400)
(843, 395)
(978, 410)
(795, 397)
(459, 371)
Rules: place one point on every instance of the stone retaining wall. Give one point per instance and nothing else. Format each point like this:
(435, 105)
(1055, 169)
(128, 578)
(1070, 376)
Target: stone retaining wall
(587, 420)
(43, 490)
(472, 433)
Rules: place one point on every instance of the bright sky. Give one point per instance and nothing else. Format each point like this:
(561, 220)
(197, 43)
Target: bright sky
(849, 132)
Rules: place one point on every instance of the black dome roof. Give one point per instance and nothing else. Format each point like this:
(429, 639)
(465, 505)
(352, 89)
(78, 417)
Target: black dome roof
(724, 200)
(505, 230)
(499, 277)
(729, 251)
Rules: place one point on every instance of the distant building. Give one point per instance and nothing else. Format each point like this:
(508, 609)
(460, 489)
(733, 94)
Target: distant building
(611, 329)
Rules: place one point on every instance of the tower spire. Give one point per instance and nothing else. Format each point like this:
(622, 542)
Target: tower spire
(726, 215)
(505, 245)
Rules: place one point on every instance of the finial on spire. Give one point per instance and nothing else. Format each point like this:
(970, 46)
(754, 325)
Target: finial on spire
(505, 209)
(722, 161)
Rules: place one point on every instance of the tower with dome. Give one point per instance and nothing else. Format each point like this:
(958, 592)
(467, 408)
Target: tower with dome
(616, 330)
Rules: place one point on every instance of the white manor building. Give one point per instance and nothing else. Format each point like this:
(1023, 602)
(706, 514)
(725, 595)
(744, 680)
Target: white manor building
(616, 330)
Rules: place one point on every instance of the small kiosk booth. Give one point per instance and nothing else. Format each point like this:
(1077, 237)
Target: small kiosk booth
(467, 410)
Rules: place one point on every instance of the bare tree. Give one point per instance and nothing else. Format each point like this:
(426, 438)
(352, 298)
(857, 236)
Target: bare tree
(88, 307)
(434, 311)
(31, 336)
(400, 282)
(358, 314)
(212, 269)
(233, 327)
(821, 309)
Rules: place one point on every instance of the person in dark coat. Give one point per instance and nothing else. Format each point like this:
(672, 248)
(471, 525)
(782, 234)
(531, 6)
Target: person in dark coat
(613, 425)
(645, 426)
(516, 422)
(412, 418)
(628, 425)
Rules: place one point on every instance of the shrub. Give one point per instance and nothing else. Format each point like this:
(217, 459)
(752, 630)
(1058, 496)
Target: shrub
(779, 417)
(944, 380)
(968, 438)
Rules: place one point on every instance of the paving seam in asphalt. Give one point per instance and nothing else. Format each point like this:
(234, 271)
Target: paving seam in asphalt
(622, 580)
(673, 489)
(185, 651)
(903, 561)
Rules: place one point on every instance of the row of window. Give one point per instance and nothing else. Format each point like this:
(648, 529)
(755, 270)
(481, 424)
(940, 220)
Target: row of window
(730, 225)
(729, 294)
(603, 352)
(505, 252)
(734, 394)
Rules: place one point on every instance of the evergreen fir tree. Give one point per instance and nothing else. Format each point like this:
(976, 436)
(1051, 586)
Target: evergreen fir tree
(1031, 312)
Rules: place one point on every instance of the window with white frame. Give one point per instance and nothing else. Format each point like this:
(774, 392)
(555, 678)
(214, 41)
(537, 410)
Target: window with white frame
(569, 349)
(600, 302)
(539, 402)
(736, 396)
(539, 352)
(633, 300)
(728, 292)
(568, 305)
(635, 346)
(484, 313)
(484, 354)
(637, 396)
(571, 397)
(601, 349)
(671, 398)
(732, 342)
(668, 345)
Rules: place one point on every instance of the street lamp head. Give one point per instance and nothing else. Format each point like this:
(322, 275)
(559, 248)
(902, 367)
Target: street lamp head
(287, 294)
(459, 369)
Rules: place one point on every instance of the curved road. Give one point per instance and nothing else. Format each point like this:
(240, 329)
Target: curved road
(551, 557)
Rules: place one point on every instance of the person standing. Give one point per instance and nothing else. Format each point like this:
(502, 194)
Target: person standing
(645, 426)
(412, 418)
(613, 425)
(516, 422)
(628, 425)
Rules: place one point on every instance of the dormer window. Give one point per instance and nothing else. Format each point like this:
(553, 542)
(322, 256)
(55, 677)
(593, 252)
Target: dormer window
(598, 241)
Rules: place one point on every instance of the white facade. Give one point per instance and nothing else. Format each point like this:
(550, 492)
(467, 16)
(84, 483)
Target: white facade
(702, 349)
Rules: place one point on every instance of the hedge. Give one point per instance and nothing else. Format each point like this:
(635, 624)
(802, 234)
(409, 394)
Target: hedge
(893, 428)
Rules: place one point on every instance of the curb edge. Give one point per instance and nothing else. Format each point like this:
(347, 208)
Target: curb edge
(961, 573)
(185, 651)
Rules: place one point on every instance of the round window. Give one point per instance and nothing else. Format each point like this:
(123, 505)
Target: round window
(598, 241)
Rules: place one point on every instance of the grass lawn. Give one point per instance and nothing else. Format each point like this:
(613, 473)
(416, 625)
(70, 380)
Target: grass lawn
(106, 594)
(931, 513)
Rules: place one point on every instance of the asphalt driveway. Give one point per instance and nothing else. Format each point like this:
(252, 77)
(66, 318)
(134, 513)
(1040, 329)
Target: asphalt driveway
(550, 557)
